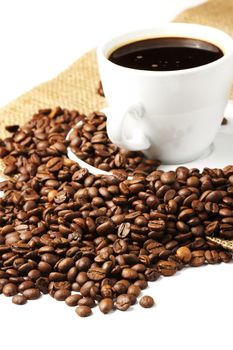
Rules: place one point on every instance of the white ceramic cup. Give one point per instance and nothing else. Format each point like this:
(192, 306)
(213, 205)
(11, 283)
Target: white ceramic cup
(169, 115)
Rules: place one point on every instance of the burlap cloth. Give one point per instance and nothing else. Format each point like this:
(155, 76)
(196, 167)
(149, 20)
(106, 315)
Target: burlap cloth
(75, 88)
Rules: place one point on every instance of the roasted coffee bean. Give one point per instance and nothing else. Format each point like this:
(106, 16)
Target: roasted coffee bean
(88, 301)
(62, 294)
(198, 258)
(146, 301)
(54, 164)
(142, 284)
(83, 311)
(124, 230)
(25, 285)
(106, 305)
(81, 277)
(65, 264)
(85, 289)
(184, 254)
(168, 177)
(225, 256)
(212, 256)
(72, 300)
(19, 299)
(9, 290)
(31, 293)
(166, 268)
(42, 284)
(133, 298)
(75, 287)
(34, 274)
(120, 288)
(106, 291)
(120, 246)
(130, 274)
(96, 273)
(83, 264)
(135, 290)
(123, 302)
(152, 274)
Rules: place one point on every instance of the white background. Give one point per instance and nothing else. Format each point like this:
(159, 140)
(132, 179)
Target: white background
(38, 40)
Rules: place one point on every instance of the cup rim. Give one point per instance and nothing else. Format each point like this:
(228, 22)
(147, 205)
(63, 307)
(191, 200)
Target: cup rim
(226, 45)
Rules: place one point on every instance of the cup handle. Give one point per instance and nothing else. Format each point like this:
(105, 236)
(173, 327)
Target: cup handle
(116, 128)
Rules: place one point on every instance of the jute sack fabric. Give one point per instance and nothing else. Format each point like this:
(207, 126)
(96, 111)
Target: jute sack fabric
(76, 87)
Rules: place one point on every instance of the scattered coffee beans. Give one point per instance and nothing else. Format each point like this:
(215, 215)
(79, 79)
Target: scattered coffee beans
(89, 240)
(90, 142)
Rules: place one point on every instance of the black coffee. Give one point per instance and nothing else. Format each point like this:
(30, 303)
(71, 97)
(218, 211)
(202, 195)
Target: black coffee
(165, 54)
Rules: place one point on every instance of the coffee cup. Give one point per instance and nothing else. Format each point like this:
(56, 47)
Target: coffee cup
(171, 115)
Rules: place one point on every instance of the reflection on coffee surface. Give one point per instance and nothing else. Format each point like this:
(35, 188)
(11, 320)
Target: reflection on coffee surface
(165, 54)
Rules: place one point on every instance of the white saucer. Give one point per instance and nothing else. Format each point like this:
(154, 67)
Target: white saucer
(218, 155)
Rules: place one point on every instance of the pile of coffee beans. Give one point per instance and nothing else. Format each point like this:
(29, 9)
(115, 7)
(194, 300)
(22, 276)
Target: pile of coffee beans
(90, 142)
(98, 240)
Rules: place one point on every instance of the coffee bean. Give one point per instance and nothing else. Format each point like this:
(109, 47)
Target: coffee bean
(65, 264)
(224, 121)
(168, 177)
(106, 305)
(83, 264)
(130, 274)
(166, 268)
(152, 274)
(96, 273)
(142, 284)
(62, 294)
(152, 201)
(214, 196)
(83, 311)
(25, 285)
(184, 254)
(85, 289)
(124, 230)
(81, 277)
(54, 164)
(42, 284)
(31, 293)
(19, 299)
(186, 214)
(123, 302)
(212, 256)
(146, 301)
(120, 246)
(9, 289)
(197, 259)
(225, 256)
(72, 300)
(135, 290)
(88, 301)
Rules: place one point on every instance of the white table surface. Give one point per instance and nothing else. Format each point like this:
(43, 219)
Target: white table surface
(38, 40)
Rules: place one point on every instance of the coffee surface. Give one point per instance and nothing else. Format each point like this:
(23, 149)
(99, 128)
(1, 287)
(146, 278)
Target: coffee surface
(165, 54)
